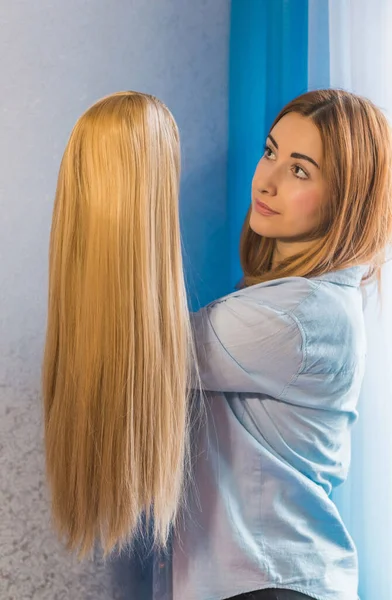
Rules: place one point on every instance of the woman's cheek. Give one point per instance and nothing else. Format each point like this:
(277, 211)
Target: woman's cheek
(306, 207)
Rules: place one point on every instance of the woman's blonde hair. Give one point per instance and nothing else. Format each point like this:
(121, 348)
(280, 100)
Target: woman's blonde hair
(356, 224)
(118, 345)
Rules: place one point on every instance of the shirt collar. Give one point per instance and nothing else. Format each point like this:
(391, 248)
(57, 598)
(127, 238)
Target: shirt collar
(352, 276)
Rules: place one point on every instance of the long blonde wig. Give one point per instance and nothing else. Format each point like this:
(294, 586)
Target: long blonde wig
(118, 344)
(356, 224)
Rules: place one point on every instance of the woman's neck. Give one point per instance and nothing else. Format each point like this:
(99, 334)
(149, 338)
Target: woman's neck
(284, 250)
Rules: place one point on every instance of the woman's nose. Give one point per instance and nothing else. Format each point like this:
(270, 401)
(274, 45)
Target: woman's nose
(266, 185)
(266, 177)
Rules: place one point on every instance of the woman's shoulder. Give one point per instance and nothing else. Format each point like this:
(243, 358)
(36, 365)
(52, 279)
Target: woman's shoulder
(280, 328)
(283, 295)
(325, 310)
(328, 313)
(334, 291)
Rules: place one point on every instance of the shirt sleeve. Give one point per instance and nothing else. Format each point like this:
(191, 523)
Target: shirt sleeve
(246, 345)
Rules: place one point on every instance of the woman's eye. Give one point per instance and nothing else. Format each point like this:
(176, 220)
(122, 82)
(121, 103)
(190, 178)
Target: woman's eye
(268, 152)
(299, 172)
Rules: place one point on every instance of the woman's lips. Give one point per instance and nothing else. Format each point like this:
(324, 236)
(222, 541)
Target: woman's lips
(265, 210)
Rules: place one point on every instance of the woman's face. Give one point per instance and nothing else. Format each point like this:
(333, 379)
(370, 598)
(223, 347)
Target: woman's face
(288, 189)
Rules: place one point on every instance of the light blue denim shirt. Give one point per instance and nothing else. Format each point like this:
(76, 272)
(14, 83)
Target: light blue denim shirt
(282, 364)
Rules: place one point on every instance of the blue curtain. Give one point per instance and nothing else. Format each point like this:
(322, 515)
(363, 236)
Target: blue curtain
(268, 67)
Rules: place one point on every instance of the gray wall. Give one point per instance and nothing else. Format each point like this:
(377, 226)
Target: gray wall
(57, 58)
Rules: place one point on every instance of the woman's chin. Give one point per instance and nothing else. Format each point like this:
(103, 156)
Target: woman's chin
(262, 226)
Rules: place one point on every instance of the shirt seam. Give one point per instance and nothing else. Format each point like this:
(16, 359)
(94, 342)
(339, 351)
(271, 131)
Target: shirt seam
(304, 352)
(304, 348)
(302, 328)
(315, 284)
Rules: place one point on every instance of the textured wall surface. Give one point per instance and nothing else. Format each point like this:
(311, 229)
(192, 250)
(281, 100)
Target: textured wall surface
(56, 59)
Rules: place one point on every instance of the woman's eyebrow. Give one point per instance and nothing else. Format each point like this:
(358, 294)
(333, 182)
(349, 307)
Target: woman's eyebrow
(294, 154)
(304, 157)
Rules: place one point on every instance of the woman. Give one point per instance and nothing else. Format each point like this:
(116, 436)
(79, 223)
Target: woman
(115, 373)
(282, 360)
